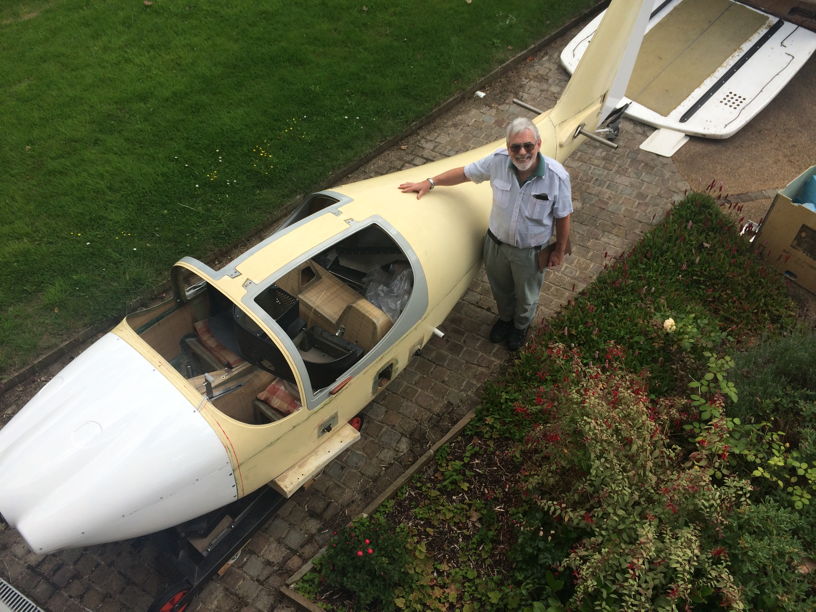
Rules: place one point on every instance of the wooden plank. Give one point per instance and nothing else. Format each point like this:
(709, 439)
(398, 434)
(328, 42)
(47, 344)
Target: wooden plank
(306, 469)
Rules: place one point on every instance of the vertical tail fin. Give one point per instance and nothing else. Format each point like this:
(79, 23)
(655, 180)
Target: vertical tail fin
(599, 82)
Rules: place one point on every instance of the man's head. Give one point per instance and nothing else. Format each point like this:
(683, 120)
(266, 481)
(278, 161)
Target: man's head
(523, 143)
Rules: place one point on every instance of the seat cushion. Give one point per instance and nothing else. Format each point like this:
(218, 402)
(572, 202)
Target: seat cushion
(364, 323)
(280, 395)
(224, 355)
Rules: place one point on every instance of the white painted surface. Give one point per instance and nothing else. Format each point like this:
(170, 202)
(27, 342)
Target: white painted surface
(107, 450)
(664, 142)
(740, 99)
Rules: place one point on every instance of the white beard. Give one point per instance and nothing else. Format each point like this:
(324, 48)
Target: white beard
(523, 165)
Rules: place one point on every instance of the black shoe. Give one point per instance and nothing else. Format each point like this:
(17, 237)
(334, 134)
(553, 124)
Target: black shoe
(501, 329)
(515, 339)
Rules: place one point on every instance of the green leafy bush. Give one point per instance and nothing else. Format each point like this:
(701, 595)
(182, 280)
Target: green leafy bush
(367, 560)
(768, 560)
(774, 376)
(773, 435)
(647, 519)
(692, 267)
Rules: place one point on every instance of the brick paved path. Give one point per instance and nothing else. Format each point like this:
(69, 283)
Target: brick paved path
(618, 196)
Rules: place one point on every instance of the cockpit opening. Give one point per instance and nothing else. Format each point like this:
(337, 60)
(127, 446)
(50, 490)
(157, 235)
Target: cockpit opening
(196, 334)
(335, 307)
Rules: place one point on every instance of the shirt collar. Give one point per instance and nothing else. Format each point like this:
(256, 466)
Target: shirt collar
(540, 170)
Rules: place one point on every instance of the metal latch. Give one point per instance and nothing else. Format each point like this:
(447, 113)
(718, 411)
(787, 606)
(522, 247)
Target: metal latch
(327, 426)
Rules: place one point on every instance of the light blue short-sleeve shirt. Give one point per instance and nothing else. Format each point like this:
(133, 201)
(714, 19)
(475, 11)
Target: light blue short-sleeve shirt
(523, 215)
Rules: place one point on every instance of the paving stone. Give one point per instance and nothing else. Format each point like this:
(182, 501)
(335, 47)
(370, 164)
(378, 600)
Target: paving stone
(355, 459)
(274, 552)
(294, 538)
(265, 599)
(277, 580)
(334, 470)
(62, 602)
(258, 543)
(277, 528)
(232, 578)
(374, 410)
(254, 566)
(63, 576)
(293, 564)
(295, 513)
(43, 591)
(108, 578)
(248, 590)
(85, 564)
(110, 604)
(136, 598)
(75, 588)
(93, 598)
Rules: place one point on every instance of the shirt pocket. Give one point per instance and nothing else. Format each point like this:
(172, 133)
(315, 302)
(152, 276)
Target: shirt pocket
(537, 210)
(501, 193)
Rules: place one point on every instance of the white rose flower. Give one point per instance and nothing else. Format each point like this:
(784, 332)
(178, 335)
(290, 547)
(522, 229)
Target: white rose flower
(669, 325)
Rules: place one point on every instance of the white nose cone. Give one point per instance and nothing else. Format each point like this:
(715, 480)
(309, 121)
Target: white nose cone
(108, 450)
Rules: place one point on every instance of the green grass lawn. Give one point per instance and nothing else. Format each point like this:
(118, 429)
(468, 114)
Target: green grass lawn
(134, 135)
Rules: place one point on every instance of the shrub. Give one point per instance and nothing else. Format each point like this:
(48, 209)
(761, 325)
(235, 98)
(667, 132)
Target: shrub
(767, 559)
(807, 449)
(774, 376)
(367, 560)
(522, 397)
(774, 420)
(694, 267)
(646, 519)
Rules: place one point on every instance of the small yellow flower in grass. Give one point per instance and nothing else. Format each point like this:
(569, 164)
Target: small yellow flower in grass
(669, 325)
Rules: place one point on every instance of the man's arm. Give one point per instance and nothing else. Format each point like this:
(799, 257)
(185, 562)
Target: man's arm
(562, 242)
(451, 177)
(553, 255)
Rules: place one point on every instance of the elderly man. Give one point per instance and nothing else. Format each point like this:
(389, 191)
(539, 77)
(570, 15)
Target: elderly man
(531, 197)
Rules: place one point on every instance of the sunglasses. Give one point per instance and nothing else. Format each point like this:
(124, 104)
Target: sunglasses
(528, 146)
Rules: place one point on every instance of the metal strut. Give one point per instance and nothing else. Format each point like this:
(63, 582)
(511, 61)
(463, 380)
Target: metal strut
(579, 131)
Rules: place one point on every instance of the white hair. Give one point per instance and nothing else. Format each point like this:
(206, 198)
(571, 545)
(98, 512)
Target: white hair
(520, 124)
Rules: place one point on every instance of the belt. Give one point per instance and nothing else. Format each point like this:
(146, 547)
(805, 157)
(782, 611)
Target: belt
(492, 236)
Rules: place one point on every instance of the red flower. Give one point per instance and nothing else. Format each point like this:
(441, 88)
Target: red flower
(370, 551)
(359, 553)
